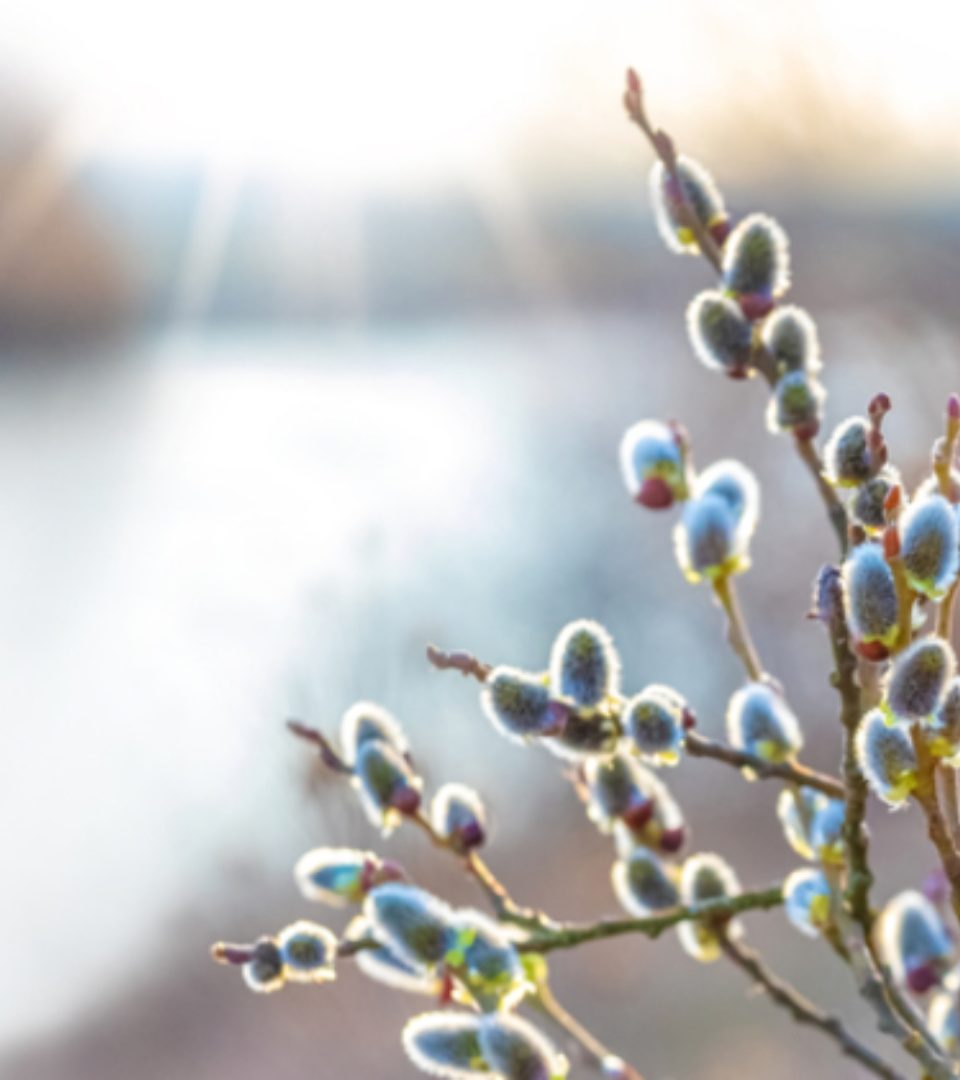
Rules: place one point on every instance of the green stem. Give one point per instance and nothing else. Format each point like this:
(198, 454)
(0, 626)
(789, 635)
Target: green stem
(738, 634)
(567, 936)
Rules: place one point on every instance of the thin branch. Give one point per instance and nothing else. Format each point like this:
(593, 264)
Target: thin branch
(810, 456)
(859, 874)
(804, 1011)
(700, 746)
(951, 803)
(945, 451)
(905, 595)
(610, 1064)
(944, 457)
(236, 955)
(925, 794)
(697, 745)
(501, 902)
(665, 150)
(460, 661)
(738, 633)
(895, 1014)
(945, 612)
(569, 935)
(315, 737)
(505, 907)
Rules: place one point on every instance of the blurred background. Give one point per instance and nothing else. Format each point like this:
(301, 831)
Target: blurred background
(319, 326)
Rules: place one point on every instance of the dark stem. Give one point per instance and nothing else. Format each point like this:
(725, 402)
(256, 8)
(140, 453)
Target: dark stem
(804, 1011)
(460, 661)
(665, 150)
(810, 456)
(567, 936)
(504, 906)
(938, 830)
(859, 875)
(700, 746)
(328, 755)
(610, 1064)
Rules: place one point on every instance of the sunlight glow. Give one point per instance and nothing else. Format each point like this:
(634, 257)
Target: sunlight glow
(384, 95)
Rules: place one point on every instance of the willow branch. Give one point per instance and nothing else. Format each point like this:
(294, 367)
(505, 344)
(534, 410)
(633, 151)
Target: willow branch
(700, 746)
(945, 612)
(504, 906)
(325, 749)
(666, 151)
(500, 900)
(925, 794)
(738, 633)
(804, 1011)
(950, 800)
(844, 680)
(568, 936)
(697, 745)
(610, 1064)
(458, 660)
(810, 456)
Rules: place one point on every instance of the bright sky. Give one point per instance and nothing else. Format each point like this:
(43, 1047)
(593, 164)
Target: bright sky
(405, 93)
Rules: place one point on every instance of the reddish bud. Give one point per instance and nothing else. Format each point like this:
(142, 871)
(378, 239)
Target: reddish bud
(447, 986)
(808, 431)
(680, 434)
(891, 543)
(894, 497)
(672, 839)
(472, 835)
(879, 406)
(720, 230)
(655, 494)
(639, 814)
(689, 719)
(953, 407)
(406, 801)
(755, 305)
(923, 978)
(557, 716)
(633, 81)
(874, 651)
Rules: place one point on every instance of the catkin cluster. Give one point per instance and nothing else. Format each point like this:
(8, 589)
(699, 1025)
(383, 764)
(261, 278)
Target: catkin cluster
(887, 610)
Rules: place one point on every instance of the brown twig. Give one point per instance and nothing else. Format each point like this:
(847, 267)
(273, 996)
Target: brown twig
(895, 1014)
(460, 661)
(945, 612)
(666, 151)
(504, 906)
(804, 1011)
(611, 1065)
(700, 746)
(738, 633)
(496, 892)
(950, 801)
(844, 680)
(328, 755)
(697, 745)
(925, 794)
(810, 456)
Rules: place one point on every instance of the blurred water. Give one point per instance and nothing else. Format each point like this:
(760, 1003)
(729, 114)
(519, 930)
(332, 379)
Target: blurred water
(206, 533)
